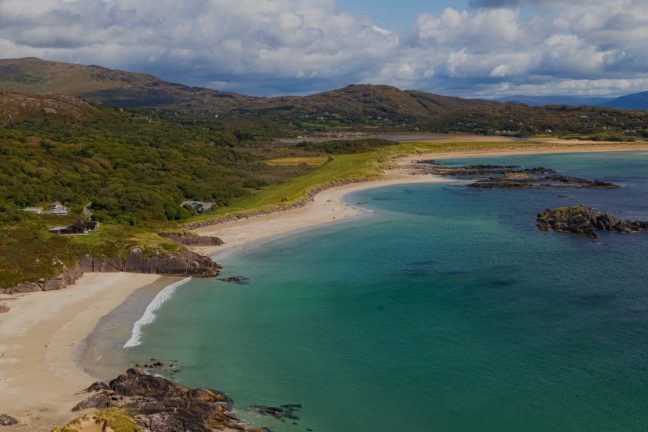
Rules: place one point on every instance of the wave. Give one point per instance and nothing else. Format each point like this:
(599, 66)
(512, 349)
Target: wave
(149, 313)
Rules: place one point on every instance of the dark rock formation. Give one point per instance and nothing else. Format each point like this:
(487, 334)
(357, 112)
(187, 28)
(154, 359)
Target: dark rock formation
(283, 412)
(163, 406)
(584, 221)
(433, 167)
(512, 177)
(99, 400)
(194, 240)
(6, 420)
(526, 181)
(184, 263)
(238, 280)
(4, 309)
(67, 277)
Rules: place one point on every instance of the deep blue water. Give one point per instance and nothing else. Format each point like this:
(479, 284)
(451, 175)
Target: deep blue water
(445, 310)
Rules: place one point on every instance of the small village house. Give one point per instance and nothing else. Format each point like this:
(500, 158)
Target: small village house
(58, 209)
(36, 210)
(80, 227)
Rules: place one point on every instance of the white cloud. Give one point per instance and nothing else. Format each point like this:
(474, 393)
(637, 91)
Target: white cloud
(273, 46)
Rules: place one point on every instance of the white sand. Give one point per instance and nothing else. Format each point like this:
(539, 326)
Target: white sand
(38, 340)
(40, 334)
(328, 207)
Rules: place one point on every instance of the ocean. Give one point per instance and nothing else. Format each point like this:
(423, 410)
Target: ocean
(444, 309)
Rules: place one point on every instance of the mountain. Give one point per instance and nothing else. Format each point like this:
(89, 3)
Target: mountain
(355, 107)
(112, 87)
(18, 107)
(555, 100)
(636, 101)
(135, 90)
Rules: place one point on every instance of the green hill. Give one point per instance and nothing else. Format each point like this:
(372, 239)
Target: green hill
(356, 107)
(112, 87)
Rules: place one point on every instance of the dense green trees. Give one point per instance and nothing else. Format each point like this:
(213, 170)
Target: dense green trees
(133, 168)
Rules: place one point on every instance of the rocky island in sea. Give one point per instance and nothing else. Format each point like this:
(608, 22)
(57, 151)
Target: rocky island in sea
(512, 177)
(585, 222)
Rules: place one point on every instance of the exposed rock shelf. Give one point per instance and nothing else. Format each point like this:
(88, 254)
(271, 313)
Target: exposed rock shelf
(161, 405)
(584, 221)
(137, 260)
(194, 240)
(512, 177)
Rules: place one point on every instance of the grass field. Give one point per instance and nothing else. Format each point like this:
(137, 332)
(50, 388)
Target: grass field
(359, 166)
(314, 161)
(345, 167)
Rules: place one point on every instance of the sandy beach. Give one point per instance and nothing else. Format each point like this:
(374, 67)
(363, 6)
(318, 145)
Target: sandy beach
(39, 340)
(328, 206)
(41, 334)
(325, 208)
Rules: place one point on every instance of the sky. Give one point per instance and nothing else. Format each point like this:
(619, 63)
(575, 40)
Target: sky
(468, 48)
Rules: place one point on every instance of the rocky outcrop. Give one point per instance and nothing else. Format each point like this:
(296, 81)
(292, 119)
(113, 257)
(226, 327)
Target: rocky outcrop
(68, 277)
(283, 412)
(584, 221)
(161, 405)
(512, 177)
(6, 420)
(194, 240)
(237, 280)
(183, 263)
(526, 181)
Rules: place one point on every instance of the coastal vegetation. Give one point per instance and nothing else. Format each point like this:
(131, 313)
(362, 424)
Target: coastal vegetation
(142, 156)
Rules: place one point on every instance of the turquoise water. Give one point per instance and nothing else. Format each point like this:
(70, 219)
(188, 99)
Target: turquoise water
(445, 310)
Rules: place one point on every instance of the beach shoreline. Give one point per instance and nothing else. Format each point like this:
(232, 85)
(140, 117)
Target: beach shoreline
(328, 207)
(40, 372)
(40, 341)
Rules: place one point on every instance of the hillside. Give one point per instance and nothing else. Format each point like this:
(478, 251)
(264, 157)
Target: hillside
(112, 87)
(636, 101)
(555, 100)
(356, 107)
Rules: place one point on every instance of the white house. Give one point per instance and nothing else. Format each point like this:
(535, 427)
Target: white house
(37, 210)
(58, 209)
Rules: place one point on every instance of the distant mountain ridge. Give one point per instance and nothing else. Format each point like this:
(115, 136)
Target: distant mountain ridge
(364, 106)
(636, 101)
(113, 87)
(555, 100)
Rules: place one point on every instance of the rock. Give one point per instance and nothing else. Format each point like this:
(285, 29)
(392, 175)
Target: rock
(26, 287)
(183, 263)
(513, 177)
(98, 401)
(6, 420)
(4, 309)
(281, 413)
(584, 221)
(238, 280)
(98, 386)
(162, 405)
(194, 240)
(153, 364)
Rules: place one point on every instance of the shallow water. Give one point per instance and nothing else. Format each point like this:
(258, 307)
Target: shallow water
(447, 310)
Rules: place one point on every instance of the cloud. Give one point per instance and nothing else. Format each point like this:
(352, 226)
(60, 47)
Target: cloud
(279, 46)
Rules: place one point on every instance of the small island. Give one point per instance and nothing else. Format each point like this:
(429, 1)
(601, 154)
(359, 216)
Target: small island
(513, 177)
(584, 221)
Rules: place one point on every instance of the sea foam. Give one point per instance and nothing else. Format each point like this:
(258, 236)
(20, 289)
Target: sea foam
(149, 313)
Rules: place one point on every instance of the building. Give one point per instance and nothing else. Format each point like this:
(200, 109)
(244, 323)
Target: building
(198, 206)
(81, 227)
(57, 209)
(37, 210)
